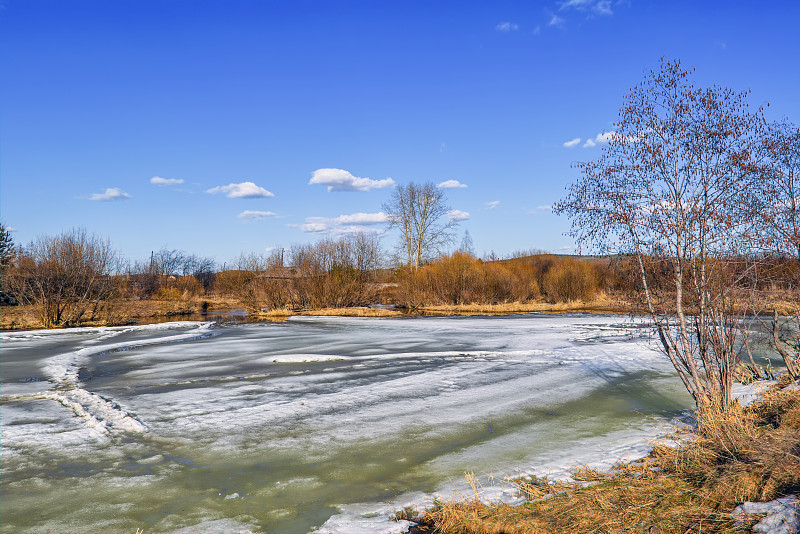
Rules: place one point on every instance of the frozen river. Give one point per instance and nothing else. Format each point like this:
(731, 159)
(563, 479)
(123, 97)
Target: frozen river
(315, 423)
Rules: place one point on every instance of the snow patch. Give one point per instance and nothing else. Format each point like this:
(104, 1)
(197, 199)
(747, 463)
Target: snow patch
(783, 515)
(375, 518)
(747, 394)
(228, 526)
(101, 414)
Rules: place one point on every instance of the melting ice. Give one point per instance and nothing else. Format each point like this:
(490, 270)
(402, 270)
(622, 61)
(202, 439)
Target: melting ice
(324, 424)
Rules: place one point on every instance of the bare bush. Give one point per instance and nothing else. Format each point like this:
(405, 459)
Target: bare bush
(147, 277)
(257, 281)
(569, 280)
(463, 279)
(67, 278)
(334, 273)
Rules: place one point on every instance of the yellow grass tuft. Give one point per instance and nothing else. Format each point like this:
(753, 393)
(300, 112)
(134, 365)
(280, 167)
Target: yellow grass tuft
(359, 311)
(602, 303)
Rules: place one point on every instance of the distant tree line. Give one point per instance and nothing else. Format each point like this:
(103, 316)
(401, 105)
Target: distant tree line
(76, 277)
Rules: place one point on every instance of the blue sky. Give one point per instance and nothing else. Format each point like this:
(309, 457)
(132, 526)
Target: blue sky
(226, 127)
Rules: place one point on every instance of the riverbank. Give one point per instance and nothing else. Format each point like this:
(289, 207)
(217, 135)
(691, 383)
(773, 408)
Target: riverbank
(696, 484)
(124, 313)
(130, 312)
(140, 312)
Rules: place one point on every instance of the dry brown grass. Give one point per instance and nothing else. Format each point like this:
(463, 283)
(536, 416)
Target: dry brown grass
(602, 303)
(783, 307)
(749, 454)
(280, 314)
(359, 311)
(120, 312)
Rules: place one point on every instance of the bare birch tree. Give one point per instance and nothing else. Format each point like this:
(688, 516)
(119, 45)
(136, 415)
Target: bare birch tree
(420, 213)
(673, 190)
(779, 208)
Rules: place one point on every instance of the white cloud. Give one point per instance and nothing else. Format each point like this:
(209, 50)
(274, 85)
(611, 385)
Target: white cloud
(256, 215)
(451, 184)
(356, 229)
(362, 218)
(544, 208)
(571, 248)
(10, 229)
(341, 180)
(157, 180)
(506, 27)
(492, 205)
(345, 224)
(579, 4)
(242, 190)
(556, 21)
(603, 138)
(111, 193)
(599, 7)
(603, 7)
(457, 215)
(314, 227)
(572, 143)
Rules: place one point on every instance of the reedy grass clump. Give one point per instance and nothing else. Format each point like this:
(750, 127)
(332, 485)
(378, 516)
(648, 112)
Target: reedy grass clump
(746, 454)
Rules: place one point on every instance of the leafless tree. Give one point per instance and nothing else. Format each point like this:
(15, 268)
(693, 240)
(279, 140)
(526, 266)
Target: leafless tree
(779, 208)
(420, 213)
(673, 189)
(150, 274)
(67, 277)
(202, 269)
(467, 246)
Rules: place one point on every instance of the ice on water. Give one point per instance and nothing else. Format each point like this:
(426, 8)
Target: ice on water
(364, 407)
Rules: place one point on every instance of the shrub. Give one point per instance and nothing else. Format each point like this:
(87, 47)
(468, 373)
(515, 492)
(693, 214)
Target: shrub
(67, 278)
(569, 280)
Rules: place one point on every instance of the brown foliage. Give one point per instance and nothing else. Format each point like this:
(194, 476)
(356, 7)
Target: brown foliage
(463, 279)
(569, 280)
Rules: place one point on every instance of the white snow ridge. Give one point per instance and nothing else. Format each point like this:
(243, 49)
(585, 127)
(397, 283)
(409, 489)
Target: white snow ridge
(101, 414)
